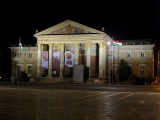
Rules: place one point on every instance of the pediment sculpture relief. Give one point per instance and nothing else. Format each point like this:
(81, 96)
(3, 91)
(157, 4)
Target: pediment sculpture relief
(69, 29)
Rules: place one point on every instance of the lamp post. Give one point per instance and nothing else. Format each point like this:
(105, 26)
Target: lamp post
(112, 61)
(110, 64)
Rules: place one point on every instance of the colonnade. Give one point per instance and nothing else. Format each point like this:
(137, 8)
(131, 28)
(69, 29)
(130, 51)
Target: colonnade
(102, 60)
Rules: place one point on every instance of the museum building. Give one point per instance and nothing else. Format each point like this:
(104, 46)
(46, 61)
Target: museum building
(67, 44)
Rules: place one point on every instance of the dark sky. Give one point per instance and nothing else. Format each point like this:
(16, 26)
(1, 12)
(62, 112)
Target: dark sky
(123, 20)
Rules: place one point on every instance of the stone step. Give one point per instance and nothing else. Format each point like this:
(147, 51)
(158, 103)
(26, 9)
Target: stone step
(54, 80)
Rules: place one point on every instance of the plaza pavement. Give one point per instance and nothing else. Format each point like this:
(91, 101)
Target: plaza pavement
(20, 103)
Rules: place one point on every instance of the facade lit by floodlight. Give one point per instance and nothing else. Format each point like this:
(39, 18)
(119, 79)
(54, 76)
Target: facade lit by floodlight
(69, 43)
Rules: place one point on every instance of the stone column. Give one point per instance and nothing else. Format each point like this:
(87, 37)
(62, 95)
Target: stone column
(101, 60)
(61, 60)
(50, 60)
(39, 60)
(76, 51)
(105, 59)
(88, 56)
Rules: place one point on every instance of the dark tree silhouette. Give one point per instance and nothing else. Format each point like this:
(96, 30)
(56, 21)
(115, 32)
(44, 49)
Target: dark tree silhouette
(124, 70)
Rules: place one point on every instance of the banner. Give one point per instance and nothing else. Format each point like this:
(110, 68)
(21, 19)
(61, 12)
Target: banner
(69, 58)
(117, 43)
(56, 60)
(45, 59)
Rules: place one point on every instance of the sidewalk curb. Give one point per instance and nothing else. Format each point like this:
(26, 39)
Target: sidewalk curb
(80, 84)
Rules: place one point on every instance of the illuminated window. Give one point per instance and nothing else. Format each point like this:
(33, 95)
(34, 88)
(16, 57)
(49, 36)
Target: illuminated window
(142, 70)
(30, 70)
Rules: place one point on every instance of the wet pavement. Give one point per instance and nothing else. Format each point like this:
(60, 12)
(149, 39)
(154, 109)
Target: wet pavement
(22, 103)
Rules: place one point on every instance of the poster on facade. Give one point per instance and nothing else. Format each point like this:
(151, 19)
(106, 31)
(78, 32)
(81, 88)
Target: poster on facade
(45, 59)
(69, 58)
(56, 60)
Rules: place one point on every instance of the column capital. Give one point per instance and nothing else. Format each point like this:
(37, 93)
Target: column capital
(104, 45)
(50, 44)
(100, 44)
(88, 44)
(39, 45)
(76, 44)
(62, 45)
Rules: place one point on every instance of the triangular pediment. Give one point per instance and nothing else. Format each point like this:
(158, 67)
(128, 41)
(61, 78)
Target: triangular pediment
(68, 27)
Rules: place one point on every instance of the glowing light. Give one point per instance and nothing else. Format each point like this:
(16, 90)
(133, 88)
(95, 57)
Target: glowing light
(108, 43)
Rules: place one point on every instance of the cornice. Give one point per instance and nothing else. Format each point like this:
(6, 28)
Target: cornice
(93, 38)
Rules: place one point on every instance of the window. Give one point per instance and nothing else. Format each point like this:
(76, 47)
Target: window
(115, 54)
(13, 54)
(130, 65)
(29, 70)
(30, 55)
(128, 54)
(142, 54)
(19, 55)
(142, 70)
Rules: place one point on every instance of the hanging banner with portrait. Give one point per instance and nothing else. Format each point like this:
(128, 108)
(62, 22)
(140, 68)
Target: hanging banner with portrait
(56, 60)
(45, 59)
(69, 58)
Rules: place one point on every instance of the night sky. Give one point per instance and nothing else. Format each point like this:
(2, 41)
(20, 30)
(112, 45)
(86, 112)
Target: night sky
(122, 20)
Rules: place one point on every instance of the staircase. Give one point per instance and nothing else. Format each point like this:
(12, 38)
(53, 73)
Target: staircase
(46, 80)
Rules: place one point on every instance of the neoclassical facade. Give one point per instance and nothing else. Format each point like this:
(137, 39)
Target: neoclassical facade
(88, 47)
(68, 43)
(84, 42)
(139, 55)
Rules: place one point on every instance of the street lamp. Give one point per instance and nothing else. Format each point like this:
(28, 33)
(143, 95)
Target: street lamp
(110, 55)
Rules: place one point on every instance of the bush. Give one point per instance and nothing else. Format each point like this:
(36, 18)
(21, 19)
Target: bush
(24, 77)
(135, 80)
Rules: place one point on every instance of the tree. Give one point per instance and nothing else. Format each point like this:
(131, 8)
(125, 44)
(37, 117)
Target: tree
(124, 70)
